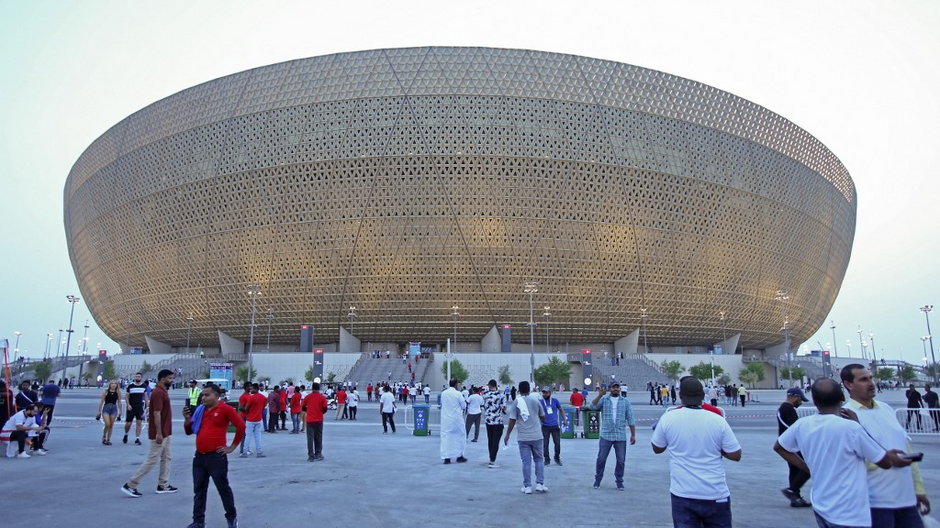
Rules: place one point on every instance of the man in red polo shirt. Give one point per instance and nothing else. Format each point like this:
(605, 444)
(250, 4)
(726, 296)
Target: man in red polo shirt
(295, 410)
(314, 405)
(577, 401)
(340, 403)
(283, 412)
(210, 423)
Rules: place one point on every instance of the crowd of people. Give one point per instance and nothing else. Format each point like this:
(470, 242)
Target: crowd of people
(854, 449)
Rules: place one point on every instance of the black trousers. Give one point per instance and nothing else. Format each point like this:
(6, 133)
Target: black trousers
(352, 412)
(553, 432)
(494, 433)
(272, 422)
(798, 477)
(283, 416)
(388, 418)
(215, 466)
(314, 439)
(20, 438)
(473, 420)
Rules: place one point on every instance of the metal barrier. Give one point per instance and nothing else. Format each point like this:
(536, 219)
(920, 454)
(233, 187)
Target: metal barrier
(919, 421)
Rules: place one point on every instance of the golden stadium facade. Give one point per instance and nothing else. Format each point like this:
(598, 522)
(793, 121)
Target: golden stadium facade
(406, 181)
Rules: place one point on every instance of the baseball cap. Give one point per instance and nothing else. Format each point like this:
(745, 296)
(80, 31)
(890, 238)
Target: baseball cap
(546, 389)
(690, 387)
(797, 392)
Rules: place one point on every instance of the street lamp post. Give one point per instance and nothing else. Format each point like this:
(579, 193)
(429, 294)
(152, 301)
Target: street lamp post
(835, 348)
(16, 347)
(865, 350)
(270, 318)
(926, 309)
(45, 355)
(189, 330)
(450, 352)
(254, 290)
(531, 288)
(643, 315)
(68, 339)
(85, 340)
(874, 353)
(58, 347)
(546, 314)
(860, 341)
(352, 318)
(783, 296)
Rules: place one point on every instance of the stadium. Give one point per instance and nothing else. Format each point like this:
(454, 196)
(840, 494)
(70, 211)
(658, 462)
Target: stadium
(384, 192)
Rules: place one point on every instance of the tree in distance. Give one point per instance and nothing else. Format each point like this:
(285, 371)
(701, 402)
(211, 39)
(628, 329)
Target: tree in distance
(752, 373)
(884, 373)
(457, 371)
(505, 377)
(43, 370)
(672, 369)
(907, 373)
(792, 373)
(146, 367)
(555, 371)
(724, 379)
(241, 373)
(108, 370)
(703, 371)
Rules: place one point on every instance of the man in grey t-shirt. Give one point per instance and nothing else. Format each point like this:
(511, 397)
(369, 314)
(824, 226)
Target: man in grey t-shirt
(527, 413)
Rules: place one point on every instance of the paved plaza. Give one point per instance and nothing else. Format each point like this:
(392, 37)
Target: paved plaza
(371, 479)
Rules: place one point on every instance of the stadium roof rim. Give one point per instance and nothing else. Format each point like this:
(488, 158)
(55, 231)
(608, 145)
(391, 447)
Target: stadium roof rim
(745, 119)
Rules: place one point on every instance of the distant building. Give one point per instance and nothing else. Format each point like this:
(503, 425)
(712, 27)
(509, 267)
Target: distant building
(405, 181)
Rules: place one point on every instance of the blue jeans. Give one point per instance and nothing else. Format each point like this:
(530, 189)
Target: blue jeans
(823, 523)
(531, 450)
(253, 430)
(896, 517)
(603, 450)
(295, 422)
(698, 513)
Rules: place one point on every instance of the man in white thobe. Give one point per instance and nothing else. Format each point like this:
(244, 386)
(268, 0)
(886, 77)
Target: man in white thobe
(453, 437)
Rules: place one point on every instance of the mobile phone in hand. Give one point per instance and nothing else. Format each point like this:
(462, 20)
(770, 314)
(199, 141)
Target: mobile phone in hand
(913, 457)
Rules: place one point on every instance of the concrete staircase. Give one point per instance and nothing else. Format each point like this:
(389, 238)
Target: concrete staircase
(633, 371)
(372, 370)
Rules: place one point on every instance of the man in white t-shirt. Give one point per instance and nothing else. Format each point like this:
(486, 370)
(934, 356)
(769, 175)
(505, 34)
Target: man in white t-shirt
(898, 493)
(697, 440)
(474, 412)
(834, 450)
(387, 408)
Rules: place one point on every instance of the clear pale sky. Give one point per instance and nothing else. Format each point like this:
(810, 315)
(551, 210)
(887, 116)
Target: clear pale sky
(862, 76)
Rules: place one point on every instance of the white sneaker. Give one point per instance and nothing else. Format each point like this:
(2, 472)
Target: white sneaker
(527, 490)
(41, 452)
(492, 465)
(24, 454)
(541, 488)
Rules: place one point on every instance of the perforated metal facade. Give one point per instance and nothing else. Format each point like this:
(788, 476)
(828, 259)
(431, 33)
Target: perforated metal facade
(404, 181)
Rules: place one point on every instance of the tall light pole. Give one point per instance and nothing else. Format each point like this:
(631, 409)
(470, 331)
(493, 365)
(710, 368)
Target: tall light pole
(16, 347)
(189, 330)
(254, 290)
(923, 341)
(547, 314)
(848, 345)
(270, 318)
(68, 339)
(48, 346)
(860, 343)
(85, 340)
(865, 350)
(531, 288)
(352, 318)
(783, 296)
(874, 353)
(643, 316)
(58, 347)
(926, 309)
(450, 352)
(835, 348)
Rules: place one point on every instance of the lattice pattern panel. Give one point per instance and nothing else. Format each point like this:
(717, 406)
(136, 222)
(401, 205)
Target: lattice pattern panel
(405, 181)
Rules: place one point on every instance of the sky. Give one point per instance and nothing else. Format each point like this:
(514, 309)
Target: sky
(861, 76)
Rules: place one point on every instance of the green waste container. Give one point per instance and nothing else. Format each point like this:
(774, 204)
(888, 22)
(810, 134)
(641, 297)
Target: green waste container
(422, 413)
(592, 423)
(567, 429)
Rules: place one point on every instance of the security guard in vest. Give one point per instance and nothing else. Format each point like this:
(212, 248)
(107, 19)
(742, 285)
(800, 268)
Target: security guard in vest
(194, 394)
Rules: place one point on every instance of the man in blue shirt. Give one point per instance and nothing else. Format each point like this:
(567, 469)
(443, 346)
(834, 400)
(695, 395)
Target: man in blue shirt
(47, 397)
(616, 416)
(551, 424)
